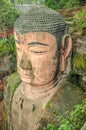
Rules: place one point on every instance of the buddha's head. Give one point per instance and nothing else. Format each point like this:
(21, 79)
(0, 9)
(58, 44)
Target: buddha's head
(42, 46)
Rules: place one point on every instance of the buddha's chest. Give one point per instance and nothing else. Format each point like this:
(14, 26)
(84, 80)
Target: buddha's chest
(26, 113)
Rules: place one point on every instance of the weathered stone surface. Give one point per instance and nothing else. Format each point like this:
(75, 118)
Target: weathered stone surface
(66, 96)
(81, 45)
(7, 65)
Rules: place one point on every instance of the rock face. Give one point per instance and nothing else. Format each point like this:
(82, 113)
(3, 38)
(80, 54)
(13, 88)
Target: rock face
(81, 45)
(7, 65)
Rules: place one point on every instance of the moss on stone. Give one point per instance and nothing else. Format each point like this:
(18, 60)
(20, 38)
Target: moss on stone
(13, 81)
(78, 80)
(79, 62)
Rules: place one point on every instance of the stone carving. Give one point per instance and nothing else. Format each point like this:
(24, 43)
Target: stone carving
(41, 62)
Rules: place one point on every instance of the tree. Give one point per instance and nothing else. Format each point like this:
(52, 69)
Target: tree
(8, 15)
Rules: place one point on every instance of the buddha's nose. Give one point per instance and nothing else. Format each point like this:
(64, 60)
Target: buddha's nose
(25, 63)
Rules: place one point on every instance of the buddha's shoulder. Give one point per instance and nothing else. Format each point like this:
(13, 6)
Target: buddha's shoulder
(65, 97)
(66, 87)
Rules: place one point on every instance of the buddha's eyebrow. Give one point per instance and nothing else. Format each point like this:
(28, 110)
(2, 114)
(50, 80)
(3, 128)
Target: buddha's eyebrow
(37, 43)
(17, 41)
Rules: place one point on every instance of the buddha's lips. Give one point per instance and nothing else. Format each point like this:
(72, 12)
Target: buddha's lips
(25, 75)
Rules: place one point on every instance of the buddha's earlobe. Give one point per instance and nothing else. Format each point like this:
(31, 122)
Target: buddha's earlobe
(65, 51)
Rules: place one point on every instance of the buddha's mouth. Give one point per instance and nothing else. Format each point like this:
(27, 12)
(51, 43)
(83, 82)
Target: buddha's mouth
(24, 75)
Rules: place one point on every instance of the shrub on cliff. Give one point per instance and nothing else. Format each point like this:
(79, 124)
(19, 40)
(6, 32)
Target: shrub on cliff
(7, 47)
(73, 120)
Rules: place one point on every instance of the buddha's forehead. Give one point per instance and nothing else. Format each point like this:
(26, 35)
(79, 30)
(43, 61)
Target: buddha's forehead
(40, 37)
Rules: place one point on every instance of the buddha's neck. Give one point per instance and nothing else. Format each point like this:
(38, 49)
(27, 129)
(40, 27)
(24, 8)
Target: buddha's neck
(35, 92)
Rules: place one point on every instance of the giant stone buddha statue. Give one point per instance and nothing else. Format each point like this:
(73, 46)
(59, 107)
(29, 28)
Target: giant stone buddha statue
(43, 49)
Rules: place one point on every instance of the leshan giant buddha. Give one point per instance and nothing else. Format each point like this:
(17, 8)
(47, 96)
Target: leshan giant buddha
(43, 47)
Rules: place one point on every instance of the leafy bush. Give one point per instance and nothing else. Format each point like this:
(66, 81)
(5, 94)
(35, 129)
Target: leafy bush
(59, 4)
(79, 62)
(73, 120)
(80, 20)
(51, 4)
(7, 47)
(68, 4)
(8, 15)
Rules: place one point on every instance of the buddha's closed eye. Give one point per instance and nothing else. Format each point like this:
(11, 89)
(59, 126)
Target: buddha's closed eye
(38, 52)
(37, 49)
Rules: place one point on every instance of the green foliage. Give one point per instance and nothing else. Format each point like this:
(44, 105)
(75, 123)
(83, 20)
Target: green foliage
(8, 15)
(59, 4)
(51, 127)
(51, 4)
(7, 47)
(29, 1)
(64, 127)
(73, 120)
(68, 4)
(79, 62)
(48, 105)
(80, 20)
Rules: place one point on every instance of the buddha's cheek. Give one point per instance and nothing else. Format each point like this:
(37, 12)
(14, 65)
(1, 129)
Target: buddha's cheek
(44, 70)
(18, 62)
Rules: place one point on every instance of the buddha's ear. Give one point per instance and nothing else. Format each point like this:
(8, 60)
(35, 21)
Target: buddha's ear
(65, 51)
(17, 36)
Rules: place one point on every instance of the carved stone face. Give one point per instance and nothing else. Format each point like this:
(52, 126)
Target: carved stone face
(36, 57)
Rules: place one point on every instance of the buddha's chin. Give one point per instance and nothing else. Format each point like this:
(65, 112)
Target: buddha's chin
(32, 82)
(26, 80)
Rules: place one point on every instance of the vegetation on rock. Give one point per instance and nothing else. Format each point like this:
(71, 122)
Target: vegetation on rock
(60, 4)
(7, 47)
(7, 56)
(73, 120)
(79, 62)
(28, 1)
(80, 21)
